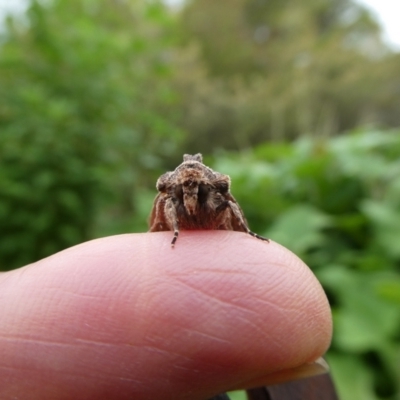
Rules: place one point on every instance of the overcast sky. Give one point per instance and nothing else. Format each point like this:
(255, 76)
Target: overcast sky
(386, 11)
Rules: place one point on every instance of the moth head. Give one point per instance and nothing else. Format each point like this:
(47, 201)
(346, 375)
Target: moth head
(190, 189)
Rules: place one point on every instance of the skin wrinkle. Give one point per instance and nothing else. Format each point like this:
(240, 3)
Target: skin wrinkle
(256, 272)
(161, 306)
(206, 271)
(181, 337)
(208, 364)
(158, 350)
(98, 378)
(227, 276)
(252, 327)
(89, 372)
(211, 365)
(286, 302)
(88, 314)
(251, 320)
(213, 298)
(175, 334)
(53, 299)
(219, 286)
(74, 293)
(142, 303)
(294, 314)
(224, 304)
(214, 338)
(257, 329)
(89, 379)
(100, 343)
(265, 302)
(185, 368)
(23, 339)
(110, 306)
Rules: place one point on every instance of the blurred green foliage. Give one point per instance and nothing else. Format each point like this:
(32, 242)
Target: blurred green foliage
(87, 107)
(275, 70)
(97, 99)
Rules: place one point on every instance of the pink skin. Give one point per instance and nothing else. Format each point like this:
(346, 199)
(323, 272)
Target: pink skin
(127, 317)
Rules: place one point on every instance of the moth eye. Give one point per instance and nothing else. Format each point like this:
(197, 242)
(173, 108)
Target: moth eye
(222, 187)
(161, 186)
(179, 192)
(203, 192)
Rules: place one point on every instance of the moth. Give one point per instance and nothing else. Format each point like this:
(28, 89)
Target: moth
(195, 197)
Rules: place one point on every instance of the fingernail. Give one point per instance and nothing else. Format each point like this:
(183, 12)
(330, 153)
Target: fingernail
(317, 367)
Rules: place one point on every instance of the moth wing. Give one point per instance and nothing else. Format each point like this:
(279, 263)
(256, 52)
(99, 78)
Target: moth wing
(237, 225)
(157, 215)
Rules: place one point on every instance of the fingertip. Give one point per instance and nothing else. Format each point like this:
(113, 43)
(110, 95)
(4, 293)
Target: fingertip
(132, 312)
(286, 301)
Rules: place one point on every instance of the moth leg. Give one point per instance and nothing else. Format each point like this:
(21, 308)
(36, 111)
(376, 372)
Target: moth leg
(257, 236)
(172, 218)
(238, 215)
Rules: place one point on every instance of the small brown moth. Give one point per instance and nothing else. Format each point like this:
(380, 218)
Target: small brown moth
(196, 197)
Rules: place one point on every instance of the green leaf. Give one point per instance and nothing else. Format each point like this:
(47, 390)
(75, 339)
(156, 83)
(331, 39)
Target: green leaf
(299, 228)
(386, 225)
(363, 319)
(353, 380)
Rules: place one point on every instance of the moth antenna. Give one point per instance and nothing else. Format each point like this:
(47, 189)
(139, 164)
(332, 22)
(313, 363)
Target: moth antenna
(196, 157)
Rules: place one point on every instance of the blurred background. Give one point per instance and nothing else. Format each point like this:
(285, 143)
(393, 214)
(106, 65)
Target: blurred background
(299, 102)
